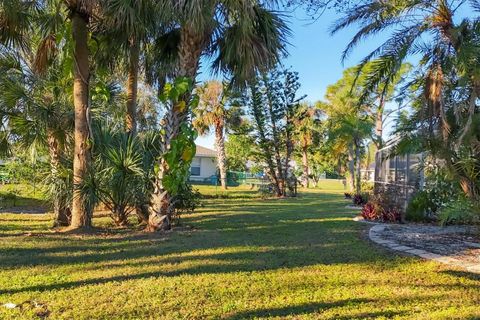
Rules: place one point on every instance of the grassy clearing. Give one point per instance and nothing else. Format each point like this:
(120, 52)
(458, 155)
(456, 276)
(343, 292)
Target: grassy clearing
(244, 258)
(21, 195)
(240, 192)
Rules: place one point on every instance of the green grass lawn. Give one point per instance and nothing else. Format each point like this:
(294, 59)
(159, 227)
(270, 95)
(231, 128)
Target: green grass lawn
(21, 196)
(245, 258)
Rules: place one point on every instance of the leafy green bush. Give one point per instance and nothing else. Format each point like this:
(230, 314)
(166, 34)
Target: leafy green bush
(361, 198)
(124, 166)
(438, 193)
(367, 186)
(421, 208)
(187, 200)
(460, 211)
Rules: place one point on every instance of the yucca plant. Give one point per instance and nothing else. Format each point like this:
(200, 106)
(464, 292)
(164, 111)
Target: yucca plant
(119, 171)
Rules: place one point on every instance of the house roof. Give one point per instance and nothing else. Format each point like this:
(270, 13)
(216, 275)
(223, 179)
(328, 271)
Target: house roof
(205, 152)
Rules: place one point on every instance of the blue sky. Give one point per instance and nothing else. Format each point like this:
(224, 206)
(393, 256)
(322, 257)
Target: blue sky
(315, 55)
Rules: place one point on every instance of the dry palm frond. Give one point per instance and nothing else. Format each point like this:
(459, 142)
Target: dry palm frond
(45, 52)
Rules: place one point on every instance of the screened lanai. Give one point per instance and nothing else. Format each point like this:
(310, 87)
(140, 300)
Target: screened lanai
(401, 175)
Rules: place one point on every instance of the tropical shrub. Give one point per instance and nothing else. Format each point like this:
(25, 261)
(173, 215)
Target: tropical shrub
(124, 166)
(118, 166)
(438, 193)
(421, 208)
(360, 199)
(367, 186)
(369, 212)
(380, 208)
(460, 211)
(391, 215)
(187, 200)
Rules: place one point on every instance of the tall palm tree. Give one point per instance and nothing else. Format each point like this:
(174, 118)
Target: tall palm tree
(349, 121)
(243, 37)
(415, 19)
(448, 54)
(306, 127)
(127, 25)
(80, 13)
(212, 111)
(38, 116)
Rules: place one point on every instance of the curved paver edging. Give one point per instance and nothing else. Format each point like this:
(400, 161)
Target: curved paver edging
(375, 235)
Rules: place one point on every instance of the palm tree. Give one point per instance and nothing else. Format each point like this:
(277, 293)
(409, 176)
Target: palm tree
(15, 23)
(243, 37)
(415, 19)
(38, 117)
(212, 111)
(80, 13)
(448, 55)
(306, 127)
(36, 105)
(127, 25)
(349, 121)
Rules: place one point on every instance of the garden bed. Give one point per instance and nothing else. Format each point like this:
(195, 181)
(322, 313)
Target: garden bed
(454, 245)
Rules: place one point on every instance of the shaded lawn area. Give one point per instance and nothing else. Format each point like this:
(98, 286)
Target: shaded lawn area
(244, 258)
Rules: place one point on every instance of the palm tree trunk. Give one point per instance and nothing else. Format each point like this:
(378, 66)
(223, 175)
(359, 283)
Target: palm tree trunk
(378, 140)
(379, 124)
(81, 213)
(61, 213)
(190, 50)
(306, 169)
(358, 184)
(132, 87)
(290, 183)
(161, 208)
(351, 168)
(221, 157)
(469, 188)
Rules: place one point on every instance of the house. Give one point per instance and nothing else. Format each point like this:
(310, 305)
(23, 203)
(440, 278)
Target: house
(368, 174)
(204, 164)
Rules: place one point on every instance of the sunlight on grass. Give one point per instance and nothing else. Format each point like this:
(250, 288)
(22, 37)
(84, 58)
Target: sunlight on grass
(243, 259)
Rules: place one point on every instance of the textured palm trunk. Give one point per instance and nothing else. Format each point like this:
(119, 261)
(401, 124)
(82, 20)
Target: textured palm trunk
(469, 188)
(351, 168)
(378, 140)
(358, 177)
(279, 172)
(190, 49)
(132, 87)
(161, 209)
(290, 181)
(434, 95)
(81, 213)
(379, 124)
(62, 214)
(221, 157)
(306, 169)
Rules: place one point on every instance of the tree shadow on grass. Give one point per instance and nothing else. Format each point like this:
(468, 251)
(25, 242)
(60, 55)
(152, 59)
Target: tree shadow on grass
(463, 274)
(296, 310)
(242, 239)
(298, 247)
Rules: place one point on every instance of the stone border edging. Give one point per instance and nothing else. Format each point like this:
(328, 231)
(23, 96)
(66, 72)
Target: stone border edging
(374, 235)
